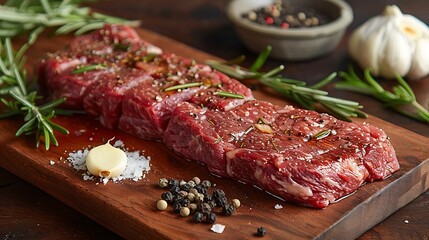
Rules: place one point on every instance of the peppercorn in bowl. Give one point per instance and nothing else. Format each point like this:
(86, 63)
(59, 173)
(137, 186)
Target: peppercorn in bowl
(296, 30)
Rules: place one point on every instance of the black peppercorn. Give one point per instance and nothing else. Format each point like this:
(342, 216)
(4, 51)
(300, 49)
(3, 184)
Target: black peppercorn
(198, 217)
(204, 191)
(177, 198)
(185, 187)
(199, 188)
(167, 196)
(212, 204)
(261, 231)
(175, 190)
(208, 197)
(177, 206)
(221, 201)
(185, 202)
(218, 193)
(211, 218)
(228, 209)
(206, 184)
(173, 182)
(204, 208)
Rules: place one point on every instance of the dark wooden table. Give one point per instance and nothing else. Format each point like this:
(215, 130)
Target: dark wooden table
(28, 213)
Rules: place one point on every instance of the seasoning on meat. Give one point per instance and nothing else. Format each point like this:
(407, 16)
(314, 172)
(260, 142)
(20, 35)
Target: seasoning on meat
(299, 155)
(312, 171)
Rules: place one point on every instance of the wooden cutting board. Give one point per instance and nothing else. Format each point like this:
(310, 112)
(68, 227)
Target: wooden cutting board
(129, 208)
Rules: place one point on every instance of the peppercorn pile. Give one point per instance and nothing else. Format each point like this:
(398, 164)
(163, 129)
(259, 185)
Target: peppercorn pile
(193, 198)
(284, 15)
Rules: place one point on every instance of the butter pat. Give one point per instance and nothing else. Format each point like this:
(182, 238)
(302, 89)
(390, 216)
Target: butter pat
(106, 161)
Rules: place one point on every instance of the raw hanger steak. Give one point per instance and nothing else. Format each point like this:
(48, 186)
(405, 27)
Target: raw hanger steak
(302, 156)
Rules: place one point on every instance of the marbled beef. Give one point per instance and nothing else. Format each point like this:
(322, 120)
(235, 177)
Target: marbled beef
(302, 156)
(128, 91)
(111, 46)
(147, 108)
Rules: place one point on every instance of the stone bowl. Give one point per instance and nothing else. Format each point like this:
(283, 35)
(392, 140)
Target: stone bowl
(292, 44)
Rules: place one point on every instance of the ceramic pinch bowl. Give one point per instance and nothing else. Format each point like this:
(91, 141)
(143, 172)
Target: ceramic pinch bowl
(292, 44)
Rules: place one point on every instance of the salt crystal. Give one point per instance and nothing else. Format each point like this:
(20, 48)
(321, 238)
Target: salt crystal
(218, 228)
(52, 162)
(87, 177)
(118, 143)
(105, 180)
(278, 206)
(406, 221)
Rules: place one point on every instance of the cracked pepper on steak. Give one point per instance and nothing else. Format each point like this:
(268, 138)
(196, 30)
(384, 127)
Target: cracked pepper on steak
(299, 155)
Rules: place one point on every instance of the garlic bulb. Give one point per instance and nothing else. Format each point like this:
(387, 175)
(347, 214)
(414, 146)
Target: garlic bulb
(392, 44)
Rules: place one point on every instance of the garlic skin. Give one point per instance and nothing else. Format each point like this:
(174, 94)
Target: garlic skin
(392, 44)
(106, 161)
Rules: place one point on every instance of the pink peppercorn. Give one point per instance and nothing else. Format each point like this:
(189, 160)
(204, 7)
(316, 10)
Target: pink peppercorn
(285, 25)
(269, 20)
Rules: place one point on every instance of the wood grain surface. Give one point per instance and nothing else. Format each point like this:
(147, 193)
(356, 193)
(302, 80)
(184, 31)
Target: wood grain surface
(27, 212)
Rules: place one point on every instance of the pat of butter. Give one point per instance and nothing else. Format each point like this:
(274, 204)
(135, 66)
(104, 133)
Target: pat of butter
(106, 161)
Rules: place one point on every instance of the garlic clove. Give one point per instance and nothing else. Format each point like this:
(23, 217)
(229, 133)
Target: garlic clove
(395, 55)
(413, 28)
(420, 63)
(106, 161)
(392, 11)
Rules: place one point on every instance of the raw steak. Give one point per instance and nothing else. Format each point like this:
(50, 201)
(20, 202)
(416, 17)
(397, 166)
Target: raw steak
(116, 47)
(104, 97)
(128, 90)
(302, 156)
(147, 108)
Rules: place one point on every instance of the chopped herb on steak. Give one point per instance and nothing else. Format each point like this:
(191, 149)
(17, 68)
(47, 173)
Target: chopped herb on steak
(302, 156)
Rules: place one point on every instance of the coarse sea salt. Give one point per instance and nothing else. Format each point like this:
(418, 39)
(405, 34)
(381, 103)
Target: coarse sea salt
(278, 206)
(137, 164)
(218, 228)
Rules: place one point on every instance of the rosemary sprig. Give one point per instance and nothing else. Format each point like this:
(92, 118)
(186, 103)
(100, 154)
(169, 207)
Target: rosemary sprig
(401, 99)
(20, 16)
(33, 17)
(37, 118)
(296, 90)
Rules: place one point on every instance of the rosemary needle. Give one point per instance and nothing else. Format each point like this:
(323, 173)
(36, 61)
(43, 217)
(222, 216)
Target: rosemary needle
(229, 94)
(183, 86)
(296, 90)
(89, 68)
(400, 99)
